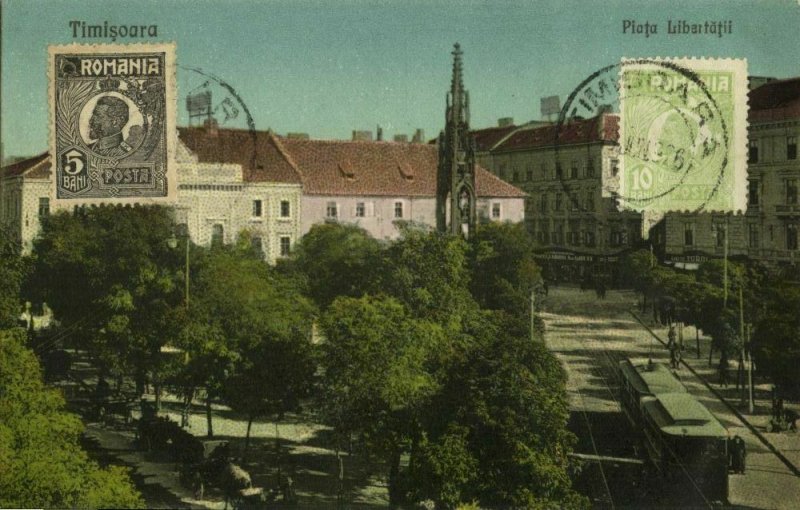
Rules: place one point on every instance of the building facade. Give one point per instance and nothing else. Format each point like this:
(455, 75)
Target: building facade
(578, 228)
(25, 192)
(276, 188)
(768, 229)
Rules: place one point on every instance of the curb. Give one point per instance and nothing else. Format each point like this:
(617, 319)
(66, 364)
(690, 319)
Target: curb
(735, 411)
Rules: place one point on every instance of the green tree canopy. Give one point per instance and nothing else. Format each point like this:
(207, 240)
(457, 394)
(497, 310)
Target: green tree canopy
(337, 260)
(41, 463)
(503, 269)
(375, 361)
(110, 279)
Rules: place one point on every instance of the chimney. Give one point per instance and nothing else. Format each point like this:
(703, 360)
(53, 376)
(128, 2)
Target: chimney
(419, 136)
(379, 134)
(362, 136)
(505, 121)
(401, 138)
(211, 125)
(297, 136)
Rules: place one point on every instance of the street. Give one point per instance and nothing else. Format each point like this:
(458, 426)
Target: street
(590, 336)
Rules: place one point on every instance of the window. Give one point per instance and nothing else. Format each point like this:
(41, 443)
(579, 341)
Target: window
(791, 236)
(752, 155)
(688, 234)
(257, 245)
(398, 209)
(614, 167)
(529, 174)
(257, 208)
(286, 246)
(589, 168)
(590, 201)
(753, 235)
(752, 193)
(574, 203)
(543, 204)
(501, 171)
(558, 202)
(791, 147)
(361, 209)
(574, 233)
(719, 234)
(573, 173)
(559, 172)
(217, 234)
(589, 238)
(332, 210)
(791, 191)
(496, 210)
(543, 168)
(558, 233)
(286, 209)
(44, 206)
(515, 176)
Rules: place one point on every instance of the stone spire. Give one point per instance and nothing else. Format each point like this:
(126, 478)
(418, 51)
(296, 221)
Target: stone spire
(455, 190)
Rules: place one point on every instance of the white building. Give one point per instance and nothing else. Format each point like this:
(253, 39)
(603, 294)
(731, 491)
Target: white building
(24, 198)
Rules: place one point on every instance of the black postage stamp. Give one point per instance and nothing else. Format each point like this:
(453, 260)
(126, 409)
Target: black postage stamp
(112, 123)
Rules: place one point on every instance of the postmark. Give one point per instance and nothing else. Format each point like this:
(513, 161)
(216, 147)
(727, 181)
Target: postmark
(682, 135)
(112, 123)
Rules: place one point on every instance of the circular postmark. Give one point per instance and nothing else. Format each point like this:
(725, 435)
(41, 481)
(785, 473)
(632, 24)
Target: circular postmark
(670, 131)
(210, 97)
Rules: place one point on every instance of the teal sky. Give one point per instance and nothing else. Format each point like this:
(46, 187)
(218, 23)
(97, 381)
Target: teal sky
(329, 67)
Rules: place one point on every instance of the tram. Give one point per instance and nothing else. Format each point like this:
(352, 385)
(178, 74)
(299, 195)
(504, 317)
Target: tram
(643, 378)
(686, 442)
(682, 439)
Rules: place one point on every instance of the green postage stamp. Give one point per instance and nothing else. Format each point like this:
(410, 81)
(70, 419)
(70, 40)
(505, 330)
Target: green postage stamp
(683, 135)
(112, 123)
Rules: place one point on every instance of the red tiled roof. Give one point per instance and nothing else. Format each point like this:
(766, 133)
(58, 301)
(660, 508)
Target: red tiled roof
(775, 100)
(37, 167)
(333, 167)
(257, 152)
(603, 128)
(486, 138)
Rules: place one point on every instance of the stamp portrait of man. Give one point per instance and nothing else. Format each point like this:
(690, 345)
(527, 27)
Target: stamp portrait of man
(109, 117)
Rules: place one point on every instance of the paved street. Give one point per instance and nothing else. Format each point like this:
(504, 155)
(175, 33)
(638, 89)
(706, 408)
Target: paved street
(590, 336)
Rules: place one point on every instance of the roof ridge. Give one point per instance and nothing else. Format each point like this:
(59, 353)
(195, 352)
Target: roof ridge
(286, 155)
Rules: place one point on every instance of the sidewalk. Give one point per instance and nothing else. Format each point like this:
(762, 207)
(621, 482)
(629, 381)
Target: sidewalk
(761, 445)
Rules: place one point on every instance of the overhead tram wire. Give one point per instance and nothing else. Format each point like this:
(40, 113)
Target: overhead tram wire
(594, 448)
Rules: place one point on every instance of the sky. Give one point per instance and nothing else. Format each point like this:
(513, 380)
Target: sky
(330, 67)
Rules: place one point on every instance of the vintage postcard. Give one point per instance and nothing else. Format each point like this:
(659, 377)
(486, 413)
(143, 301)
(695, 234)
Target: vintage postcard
(112, 123)
(424, 255)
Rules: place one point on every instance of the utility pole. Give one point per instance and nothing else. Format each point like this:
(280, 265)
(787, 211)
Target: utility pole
(725, 265)
(533, 313)
(739, 374)
(749, 372)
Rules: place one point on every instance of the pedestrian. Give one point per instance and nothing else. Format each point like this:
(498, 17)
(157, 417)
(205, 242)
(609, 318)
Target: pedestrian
(740, 453)
(723, 370)
(791, 419)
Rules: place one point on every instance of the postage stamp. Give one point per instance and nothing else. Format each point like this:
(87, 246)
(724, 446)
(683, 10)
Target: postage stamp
(112, 123)
(683, 135)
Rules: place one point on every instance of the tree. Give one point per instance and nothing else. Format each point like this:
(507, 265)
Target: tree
(337, 260)
(504, 272)
(41, 462)
(776, 336)
(496, 432)
(428, 271)
(13, 270)
(375, 361)
(110, 279)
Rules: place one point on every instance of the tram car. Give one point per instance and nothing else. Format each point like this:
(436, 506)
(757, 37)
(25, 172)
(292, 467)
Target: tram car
(644, 378)
(686, 442)
(682, 439)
